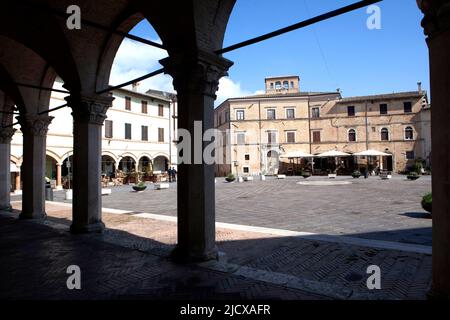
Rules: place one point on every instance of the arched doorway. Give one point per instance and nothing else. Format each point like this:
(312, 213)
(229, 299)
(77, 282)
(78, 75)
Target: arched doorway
(127, 165)
(66, 172)
(108, 166)
(161, 163)
(50, 170)
(273, 162)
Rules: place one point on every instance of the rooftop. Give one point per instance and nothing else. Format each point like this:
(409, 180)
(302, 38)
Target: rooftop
(145, 94)
(397, 95)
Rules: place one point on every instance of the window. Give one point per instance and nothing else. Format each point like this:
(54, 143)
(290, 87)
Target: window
(128, 131)
(160, 110)
(128, 103)
(271, 137)
(292, 84)
(290, 136)
(240, 115)
(240, 138)
(108, 129)
(315, 113)
(352, 135)
(271, 85)
(144, 105)
(407, 107)
(316, 136)
(351, 111)
(286, 85)
(160, 134)
(384, 134)
(383, 108)
(290, 113)
(409, 133)
(410, 155)
(247, 157)
(271, 114)
(144, 133)
(246, 169)
(227, 116)
(278, 85)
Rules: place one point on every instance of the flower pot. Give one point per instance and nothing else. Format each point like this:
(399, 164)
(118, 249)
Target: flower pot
(426, 206)
(412, 177)
(139, 188)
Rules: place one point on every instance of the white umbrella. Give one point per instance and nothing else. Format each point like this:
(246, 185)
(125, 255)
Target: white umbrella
(371, 153)
(296, 154)
(13, 168)
(333, 153)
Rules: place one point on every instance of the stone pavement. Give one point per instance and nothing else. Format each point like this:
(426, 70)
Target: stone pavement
(371, 209)
(129, 261)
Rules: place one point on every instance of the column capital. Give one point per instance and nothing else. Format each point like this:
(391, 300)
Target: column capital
(437, 16)
(36, 125)
(6, 135)
(198, 72)
(91, 109)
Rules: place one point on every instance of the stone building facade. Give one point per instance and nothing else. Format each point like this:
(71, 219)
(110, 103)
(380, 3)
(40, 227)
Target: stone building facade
(263, 128)
(137, 135)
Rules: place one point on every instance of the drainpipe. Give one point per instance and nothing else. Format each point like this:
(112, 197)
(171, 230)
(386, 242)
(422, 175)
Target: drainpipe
(367, 129)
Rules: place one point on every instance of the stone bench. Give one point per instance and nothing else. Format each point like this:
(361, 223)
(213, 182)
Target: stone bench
(281, 176)
(106, 192)
(249, 178)
(161, 186)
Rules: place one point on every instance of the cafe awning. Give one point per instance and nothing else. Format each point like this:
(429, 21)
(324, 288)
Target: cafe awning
(333, 153)
(296, 154)
(371, 153)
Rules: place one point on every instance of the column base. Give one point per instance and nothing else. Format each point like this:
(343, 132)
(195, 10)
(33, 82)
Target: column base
(90, 228)
(32, 216)
(435, 295)
(179, 255)
(58, 188)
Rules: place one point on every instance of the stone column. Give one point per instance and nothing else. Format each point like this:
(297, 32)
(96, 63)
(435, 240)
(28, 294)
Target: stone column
(34, 129)
(17, 187)
(436, 24)
(89, 113)
(58, 177)
(196, 79)
(5, 167)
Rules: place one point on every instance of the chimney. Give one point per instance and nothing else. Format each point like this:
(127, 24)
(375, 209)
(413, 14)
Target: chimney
(419, 87)
(135, 86)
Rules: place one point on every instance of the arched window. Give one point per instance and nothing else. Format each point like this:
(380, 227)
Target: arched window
(271, 85)
(384, 134)
(352, 135)
(286, 85)
(409, 133)
(278, 85)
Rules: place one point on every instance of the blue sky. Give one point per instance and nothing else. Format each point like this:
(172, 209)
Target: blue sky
(338, 53)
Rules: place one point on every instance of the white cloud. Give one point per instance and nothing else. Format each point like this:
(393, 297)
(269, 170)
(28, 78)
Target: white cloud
(230, 89)
(136, 59)
(133, 60)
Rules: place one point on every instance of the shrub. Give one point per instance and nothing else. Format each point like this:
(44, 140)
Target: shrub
(427, 202)
(230, 178)
(356, 174)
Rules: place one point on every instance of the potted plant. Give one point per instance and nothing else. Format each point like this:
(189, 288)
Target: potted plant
(426, 202)
(356, 174)
(140, 186)
(306, 174)
(413, 176)
(230, 178)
